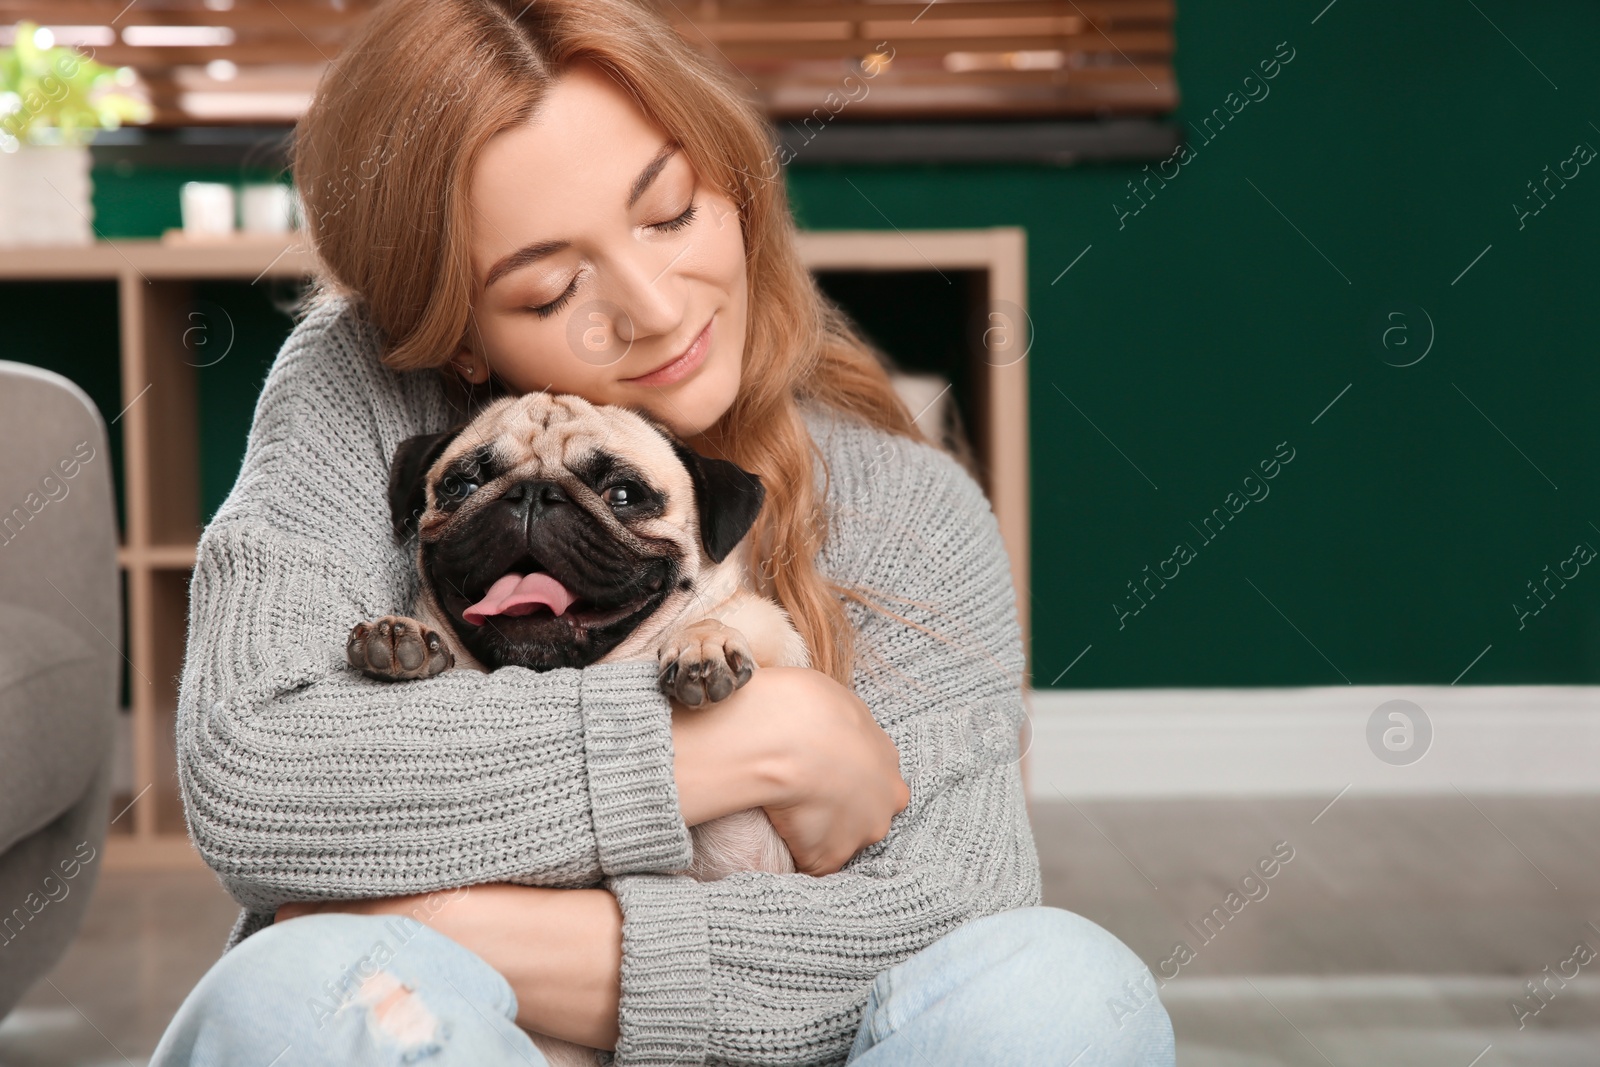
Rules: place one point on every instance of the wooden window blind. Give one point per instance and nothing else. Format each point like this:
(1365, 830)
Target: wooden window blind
(972, 59)
(218, 61)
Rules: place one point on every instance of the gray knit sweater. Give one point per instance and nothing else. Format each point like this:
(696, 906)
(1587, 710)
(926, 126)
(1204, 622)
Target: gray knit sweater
(304, 780)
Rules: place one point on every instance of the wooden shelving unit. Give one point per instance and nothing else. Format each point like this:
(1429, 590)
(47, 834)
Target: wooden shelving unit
(159, 424)
(161, 492)
(1000, 253)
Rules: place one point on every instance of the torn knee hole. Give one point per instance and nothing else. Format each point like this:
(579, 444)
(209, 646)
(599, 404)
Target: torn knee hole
(397, 1009)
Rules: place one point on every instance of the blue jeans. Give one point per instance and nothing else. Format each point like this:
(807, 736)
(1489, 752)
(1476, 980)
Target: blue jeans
(1032, 986)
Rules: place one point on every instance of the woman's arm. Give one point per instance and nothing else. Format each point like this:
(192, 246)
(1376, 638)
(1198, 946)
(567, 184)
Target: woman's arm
(303, 779)
(774, 969)
(561, 949)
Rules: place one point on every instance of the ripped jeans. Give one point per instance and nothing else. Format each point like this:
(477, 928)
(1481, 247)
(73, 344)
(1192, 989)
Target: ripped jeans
(1035, 985)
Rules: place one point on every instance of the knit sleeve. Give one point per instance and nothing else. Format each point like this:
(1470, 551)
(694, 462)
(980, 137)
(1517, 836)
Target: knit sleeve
(304, 779)
(774, 969)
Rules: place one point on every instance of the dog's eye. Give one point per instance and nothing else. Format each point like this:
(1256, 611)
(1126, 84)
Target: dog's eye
(453, 489)
(622, 494)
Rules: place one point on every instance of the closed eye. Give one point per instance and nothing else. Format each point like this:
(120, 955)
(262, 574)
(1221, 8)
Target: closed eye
(681, 221)
(672, 225)
(544, 311)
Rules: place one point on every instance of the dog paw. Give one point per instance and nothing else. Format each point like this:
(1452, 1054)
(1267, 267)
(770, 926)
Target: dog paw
(397, 649)
(704, 663)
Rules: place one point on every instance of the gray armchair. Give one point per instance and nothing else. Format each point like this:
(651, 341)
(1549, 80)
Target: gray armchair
(60, 641)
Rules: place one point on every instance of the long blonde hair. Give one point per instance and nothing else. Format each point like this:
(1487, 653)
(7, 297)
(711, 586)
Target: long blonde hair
(382, 160)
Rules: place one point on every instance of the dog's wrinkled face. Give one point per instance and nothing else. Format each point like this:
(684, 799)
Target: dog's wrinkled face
(549, 528)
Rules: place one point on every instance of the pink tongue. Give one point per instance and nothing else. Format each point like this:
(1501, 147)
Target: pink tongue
(516, 594)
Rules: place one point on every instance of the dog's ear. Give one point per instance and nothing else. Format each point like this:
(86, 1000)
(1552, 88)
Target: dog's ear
(728, 498)
(408, 477)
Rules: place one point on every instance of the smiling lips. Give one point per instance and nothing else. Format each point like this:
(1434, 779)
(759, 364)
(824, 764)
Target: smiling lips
(518, 594)
(681, 367)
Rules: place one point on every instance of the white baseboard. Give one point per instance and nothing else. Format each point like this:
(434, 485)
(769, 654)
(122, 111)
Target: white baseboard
(1129, 743)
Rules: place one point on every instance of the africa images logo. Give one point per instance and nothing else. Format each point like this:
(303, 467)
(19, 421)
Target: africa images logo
(1255, 89)
(1210, 528)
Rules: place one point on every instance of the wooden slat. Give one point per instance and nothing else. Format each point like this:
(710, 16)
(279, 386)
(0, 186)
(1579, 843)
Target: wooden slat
(279, 51)
(1149, 88)
(778, 11)
(895, 31)
(1022, 81)
(829, 30)
(1149, 74)
(1144, 43)
(1030, 26)
(285, 17)
(959, 102)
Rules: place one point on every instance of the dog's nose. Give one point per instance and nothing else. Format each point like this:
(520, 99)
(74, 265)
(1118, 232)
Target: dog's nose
(535, 496)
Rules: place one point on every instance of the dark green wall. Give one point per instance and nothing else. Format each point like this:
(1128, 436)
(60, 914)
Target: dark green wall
(1200, 333)
(71, 328)
(131, 201)
(1220, 320)
(244, 325)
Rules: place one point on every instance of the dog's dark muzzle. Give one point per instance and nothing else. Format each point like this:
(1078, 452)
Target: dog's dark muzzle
(537, 526)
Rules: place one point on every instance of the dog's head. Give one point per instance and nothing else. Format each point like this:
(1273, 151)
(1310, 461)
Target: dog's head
(550, 528)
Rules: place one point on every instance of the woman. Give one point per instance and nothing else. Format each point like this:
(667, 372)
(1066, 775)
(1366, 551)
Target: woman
(562, 195)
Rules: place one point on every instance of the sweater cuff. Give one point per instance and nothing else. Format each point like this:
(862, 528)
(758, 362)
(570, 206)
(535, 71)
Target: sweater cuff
(665, 1008)
(627, 727)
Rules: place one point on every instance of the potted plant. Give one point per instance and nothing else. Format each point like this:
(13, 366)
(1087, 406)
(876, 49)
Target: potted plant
(52, 100)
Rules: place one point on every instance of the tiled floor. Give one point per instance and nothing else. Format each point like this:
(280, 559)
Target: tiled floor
(1397, 934)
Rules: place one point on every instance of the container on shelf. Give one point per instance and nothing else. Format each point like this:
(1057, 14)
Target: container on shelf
(208, 209)
(46, 196)
(267, 208)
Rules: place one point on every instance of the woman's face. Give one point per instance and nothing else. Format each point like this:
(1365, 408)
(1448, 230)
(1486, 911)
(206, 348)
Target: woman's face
(601, 262)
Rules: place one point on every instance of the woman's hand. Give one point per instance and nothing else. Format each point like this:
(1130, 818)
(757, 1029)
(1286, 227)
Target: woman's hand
(803, 747)
(560, 949)
(839, 775)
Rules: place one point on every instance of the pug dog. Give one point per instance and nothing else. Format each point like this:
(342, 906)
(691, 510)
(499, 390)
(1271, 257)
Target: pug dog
(552, 532)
